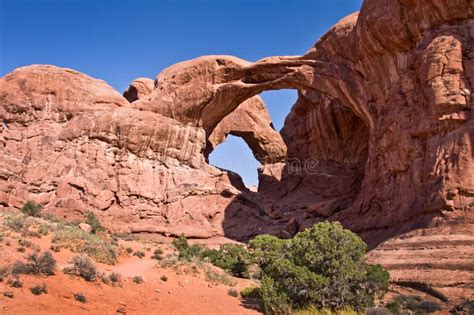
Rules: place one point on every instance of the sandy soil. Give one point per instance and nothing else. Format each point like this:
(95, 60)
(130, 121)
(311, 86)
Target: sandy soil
(180, 294)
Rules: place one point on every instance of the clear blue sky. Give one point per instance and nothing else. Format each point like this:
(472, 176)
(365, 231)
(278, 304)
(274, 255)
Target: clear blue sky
(119, 40)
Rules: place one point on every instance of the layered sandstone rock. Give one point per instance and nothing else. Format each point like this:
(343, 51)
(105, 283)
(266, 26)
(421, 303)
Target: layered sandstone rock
(75, 145)
(380, 138)
(139, 88)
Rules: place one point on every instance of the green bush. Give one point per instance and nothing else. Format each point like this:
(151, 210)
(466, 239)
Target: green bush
(230, 257)
(92, 220)
(185, 251)
(394, 306)
(31, 209)
(250, 292)
(275, 300)
(323, 266)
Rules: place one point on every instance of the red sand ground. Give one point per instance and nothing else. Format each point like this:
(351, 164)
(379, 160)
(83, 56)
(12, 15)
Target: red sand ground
(181, 294)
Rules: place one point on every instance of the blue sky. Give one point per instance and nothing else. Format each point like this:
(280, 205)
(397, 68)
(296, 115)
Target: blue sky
(119, 40)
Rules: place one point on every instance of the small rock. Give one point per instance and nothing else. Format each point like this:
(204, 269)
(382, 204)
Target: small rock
(85, 227)
(121, 310)
(157, 290)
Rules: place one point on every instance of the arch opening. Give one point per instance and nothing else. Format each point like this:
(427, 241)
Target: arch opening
(235, 155)
(279, 104)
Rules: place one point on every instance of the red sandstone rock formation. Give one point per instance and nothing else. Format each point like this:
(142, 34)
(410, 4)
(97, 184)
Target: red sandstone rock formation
(139, 88)
(381, 138)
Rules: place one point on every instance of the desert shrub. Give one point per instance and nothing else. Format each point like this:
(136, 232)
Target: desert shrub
(129, 250)
(139, 254)
(94, 223)
(323, 266)
(36, 264)
(15, 283)
(185, 251)
(4, 272)
(311, 310)
(164, 278)
(39, 289)
(430, 306)
(168, 261)
(96, 246)
(394, 306)
(125, 236)
(21, 249)
(31, 209)
(414, 304)
(157, 254)
(233, 292)
(28, 233)
(213, 276)
(379, 311)
(466, 307)
(138, 279)
(24, 243)
(115, 277)
(230, 257)
(15, 223)
(82, 266)
(104, 277)
(80, 297)
(55, 248)
(9, 294)
(43, 230)
(250, 292)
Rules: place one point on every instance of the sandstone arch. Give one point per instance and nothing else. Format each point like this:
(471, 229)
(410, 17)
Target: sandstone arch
(251, 122)
(399, 76)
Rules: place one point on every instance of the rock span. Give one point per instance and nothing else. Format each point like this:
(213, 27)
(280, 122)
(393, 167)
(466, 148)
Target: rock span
(380, 138)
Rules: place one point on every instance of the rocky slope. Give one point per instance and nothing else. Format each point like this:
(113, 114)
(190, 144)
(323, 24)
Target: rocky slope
(380, 138)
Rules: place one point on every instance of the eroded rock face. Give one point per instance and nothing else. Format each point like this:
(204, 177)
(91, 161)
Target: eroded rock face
(138, 89)
(380, 138)
(75, 145)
